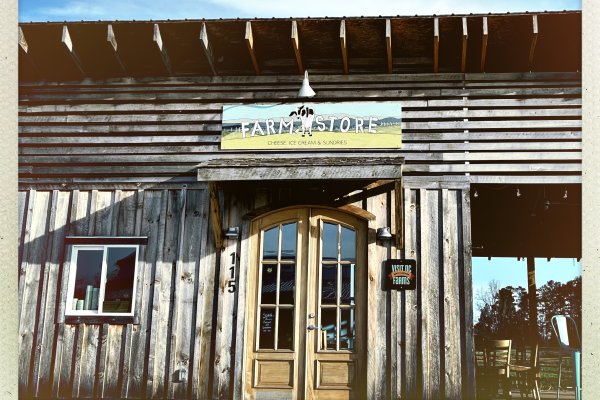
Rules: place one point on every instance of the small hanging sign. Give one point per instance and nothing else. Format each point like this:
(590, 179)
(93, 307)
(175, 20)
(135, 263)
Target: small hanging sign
(400, 274)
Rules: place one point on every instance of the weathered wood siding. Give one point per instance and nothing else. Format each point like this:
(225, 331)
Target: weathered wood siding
(186, 318)
(496, 128)
(174, 304)
(423, 338)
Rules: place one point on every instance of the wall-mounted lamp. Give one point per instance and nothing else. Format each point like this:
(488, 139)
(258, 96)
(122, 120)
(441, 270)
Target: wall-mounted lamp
(518, 193)
(384, 233)
(305, 89)
(233, 232)
(181, 375)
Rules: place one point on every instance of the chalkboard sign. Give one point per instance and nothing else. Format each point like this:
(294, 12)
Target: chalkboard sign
(400, 274)
(266, 321)
(267, 329)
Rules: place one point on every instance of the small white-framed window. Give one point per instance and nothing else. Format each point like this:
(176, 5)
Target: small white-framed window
(102, 280)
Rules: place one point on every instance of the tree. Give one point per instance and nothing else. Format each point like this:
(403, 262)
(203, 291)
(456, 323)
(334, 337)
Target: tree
(501, 311)
(559, 299)
(505, 312)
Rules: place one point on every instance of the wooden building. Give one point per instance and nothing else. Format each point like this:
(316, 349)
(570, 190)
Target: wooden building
(128, 204)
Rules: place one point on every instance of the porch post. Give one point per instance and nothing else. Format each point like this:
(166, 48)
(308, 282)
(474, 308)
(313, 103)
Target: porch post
(532, 291)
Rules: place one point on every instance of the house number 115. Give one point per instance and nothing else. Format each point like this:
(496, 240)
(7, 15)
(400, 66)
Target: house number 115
(231, 283)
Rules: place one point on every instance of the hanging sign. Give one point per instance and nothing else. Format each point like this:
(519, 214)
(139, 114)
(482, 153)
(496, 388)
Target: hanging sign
(400, 274)
(300, 126)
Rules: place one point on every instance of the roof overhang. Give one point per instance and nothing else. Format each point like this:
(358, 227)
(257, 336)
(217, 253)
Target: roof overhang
(521, 42)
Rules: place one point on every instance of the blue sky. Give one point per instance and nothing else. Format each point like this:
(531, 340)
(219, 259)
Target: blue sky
(75, 10)
(510, 272)
(359, 109)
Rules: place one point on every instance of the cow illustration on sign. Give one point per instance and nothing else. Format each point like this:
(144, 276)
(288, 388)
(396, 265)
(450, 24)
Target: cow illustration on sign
(306, 115)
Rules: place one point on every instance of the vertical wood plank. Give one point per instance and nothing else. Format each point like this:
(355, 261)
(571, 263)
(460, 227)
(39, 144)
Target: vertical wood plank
(162, 299)
(452, 305)
(215, 214)
(88, 360)
(396, 312)
(62, 382)
(61, 379)
(30, 297)
(175, 387)
(124, 215)
(188, 277)
(222, 387)
(410, 300)
(100, 379)
(103, 213)
(148, 221)
(116, 211)
(376, 300)
(186, 284)
(108, 205)
(86, 356)
(204, 311)
(103, 358)
(430, 294)
(468, 383)
(91, 216)
(398, 214)
(46, 336)
(117, 362)
(155, 388)
(242, 296)
(110, 361)
(129, 223)
(77, 349)
(25, 246)
(22, 222)
(40, 330)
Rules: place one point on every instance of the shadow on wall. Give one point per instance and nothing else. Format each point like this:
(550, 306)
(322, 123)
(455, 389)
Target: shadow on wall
(176, 295)
(178, 299)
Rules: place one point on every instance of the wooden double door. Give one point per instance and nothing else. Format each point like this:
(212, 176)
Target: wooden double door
(306, 318)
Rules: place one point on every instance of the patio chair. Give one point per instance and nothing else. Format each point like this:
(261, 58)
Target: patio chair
(497, 369)
(480, 363)
(526, 369)
(567, 335)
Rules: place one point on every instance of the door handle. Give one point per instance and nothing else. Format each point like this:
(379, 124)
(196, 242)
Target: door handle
(311, 327)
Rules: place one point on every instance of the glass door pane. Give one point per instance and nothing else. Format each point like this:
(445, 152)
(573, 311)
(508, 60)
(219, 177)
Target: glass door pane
(337, 292)
(277, 287)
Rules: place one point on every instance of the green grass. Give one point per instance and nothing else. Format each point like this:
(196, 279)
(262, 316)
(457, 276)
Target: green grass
(386, 137)
(549, 369)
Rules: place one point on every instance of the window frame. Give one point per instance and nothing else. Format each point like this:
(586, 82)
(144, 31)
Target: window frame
(91, 314)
